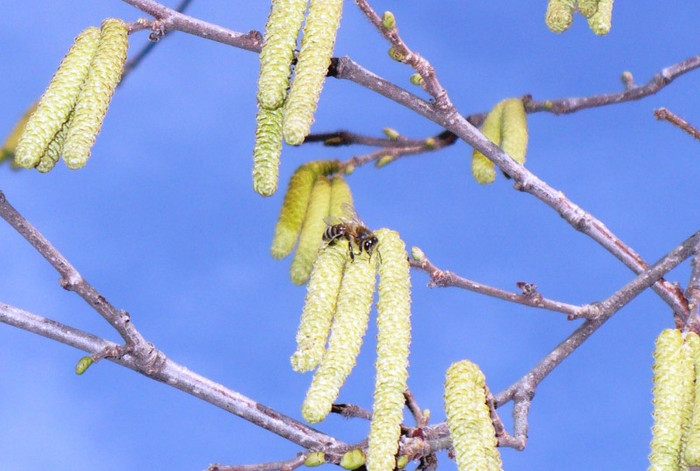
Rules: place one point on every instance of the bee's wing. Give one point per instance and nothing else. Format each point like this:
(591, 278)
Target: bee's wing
(350, 215)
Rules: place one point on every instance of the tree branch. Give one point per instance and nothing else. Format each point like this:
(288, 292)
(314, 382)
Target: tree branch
(179, 377)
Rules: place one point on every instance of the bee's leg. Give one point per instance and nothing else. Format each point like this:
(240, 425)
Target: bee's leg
(352, 254)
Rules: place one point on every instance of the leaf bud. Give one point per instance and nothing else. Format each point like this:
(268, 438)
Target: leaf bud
(397, 55)
(317, 458)
(388, 20)
(353, 459)
(83, 364)
(391, 133)
(416, 79)
(384, 160)
(417, 254)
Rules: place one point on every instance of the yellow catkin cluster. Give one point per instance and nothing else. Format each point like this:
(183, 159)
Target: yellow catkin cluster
(393, 340)
(469, 419)
(354, 302)
(310, 199)
(673, 394)
(560, 14)
(69, 115)
(285, 111)
(352, 296)
(505, 126)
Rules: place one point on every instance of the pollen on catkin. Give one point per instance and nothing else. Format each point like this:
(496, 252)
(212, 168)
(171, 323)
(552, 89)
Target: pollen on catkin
(349, 327)
(601, 21)
(320, 29)
(281, 32)
(691, 442)
(514, 129)
(319, 307)
(58, 100)
(559, 15)
(103, 77)
(468, 418)
(310, 238)
(674, 375)
(393, 341)
(482, 168)
(267, 150)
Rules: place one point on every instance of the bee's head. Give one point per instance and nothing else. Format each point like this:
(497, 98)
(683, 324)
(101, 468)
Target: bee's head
(370, 244)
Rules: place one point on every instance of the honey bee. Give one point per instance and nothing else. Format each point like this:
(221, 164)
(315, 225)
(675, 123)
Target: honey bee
(352, 229)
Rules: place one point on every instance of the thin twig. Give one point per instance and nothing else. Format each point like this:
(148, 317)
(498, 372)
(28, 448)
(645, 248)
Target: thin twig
(527, 384)
(169, 20)
(663, 113)
(441, 278)
(285, 465)
(136, 60)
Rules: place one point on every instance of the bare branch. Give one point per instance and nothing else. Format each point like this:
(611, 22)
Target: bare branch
(286, 465)
(527, 384)
(441, 278)
(168, 19)
(663, 113)
(179, 377)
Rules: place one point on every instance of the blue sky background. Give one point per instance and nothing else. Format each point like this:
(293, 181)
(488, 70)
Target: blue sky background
(164, 222)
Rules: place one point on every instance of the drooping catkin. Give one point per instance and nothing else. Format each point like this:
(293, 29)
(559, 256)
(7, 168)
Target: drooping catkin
(9, 146)
(514, 129)
(601, 21)
(319, 306)
(281, 32)
(587, 7)
(673, 391)
(296, 201)
(53, 151)
(341, 197)
(267, 150)
(103, 77)
(58, 100)
(311, 235)
(691, 441)
(469, 419)
(559, 15)
(320, 29)
(482, 168)
(393, 340)
(349, 327)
